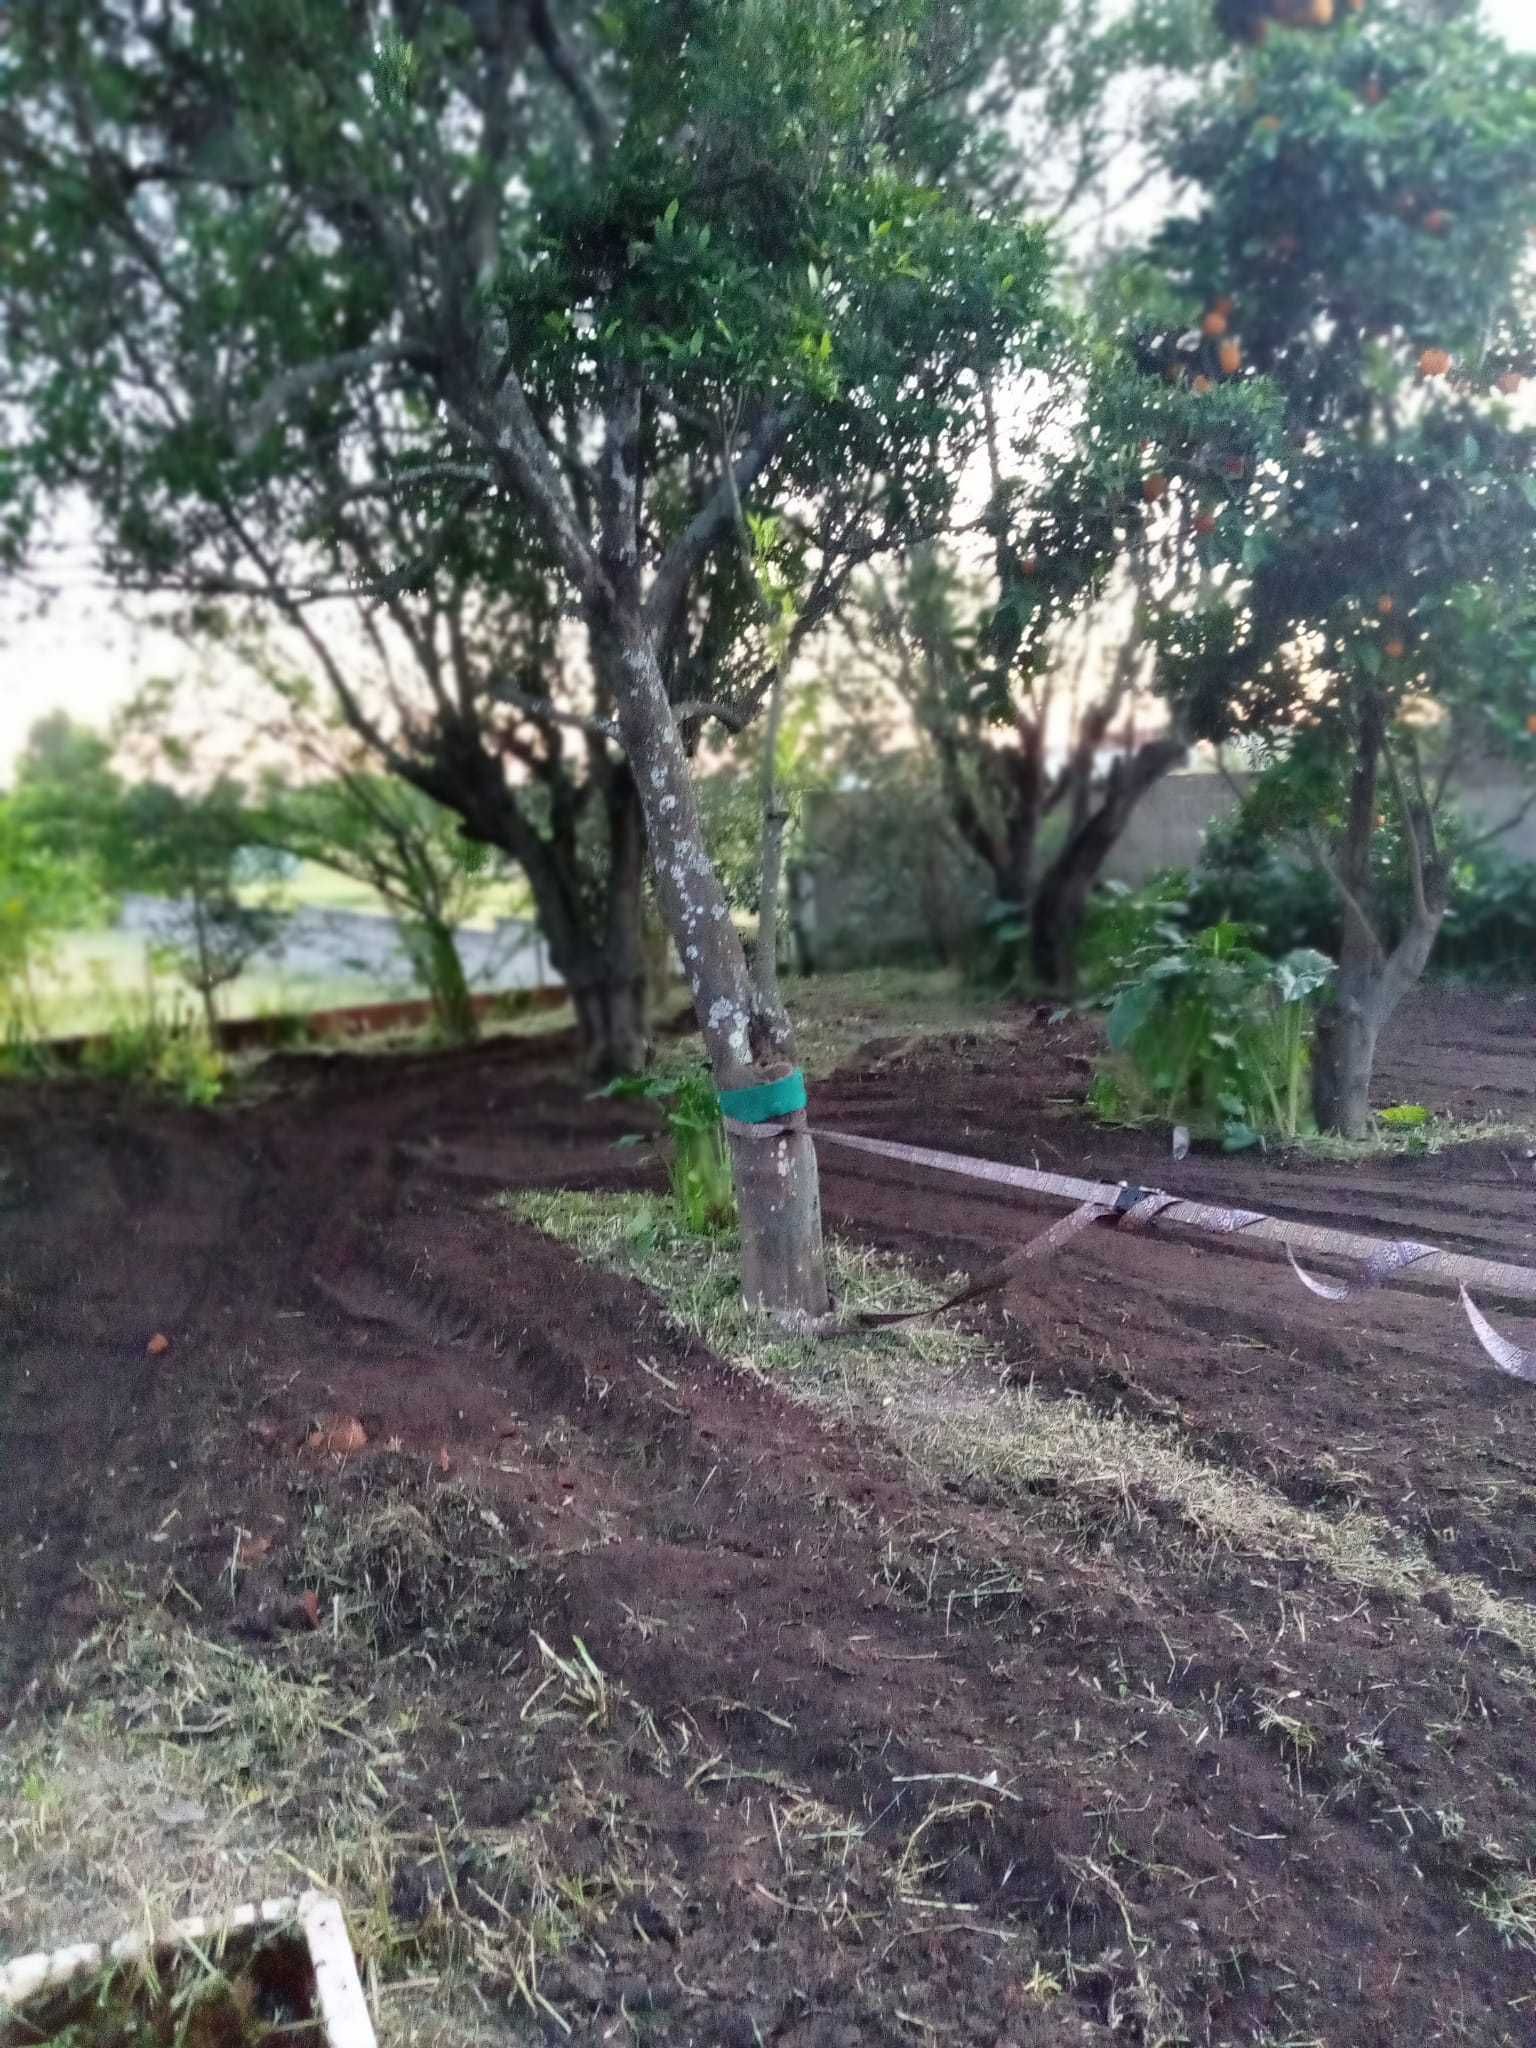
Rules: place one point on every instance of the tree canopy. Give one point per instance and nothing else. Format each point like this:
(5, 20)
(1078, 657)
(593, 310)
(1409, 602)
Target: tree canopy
(1360, 252)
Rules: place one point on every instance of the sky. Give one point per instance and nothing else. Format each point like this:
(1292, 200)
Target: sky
(84, 658)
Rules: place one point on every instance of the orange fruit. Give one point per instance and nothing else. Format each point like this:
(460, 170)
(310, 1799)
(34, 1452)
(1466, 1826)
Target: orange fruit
(1214, 324)
(1223, 305)
(1154, 488)
(1436, 221)
(158, 1345)
(1530, 723)
(1386, 606)
(1030, 565)
(1319, 14)
(1230, 356)
(1510, 383)
(1201, 384)
(1434, 362)
(1205, 523)
(1394, 650)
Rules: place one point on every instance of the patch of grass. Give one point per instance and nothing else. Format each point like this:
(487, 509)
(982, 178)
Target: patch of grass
(1509, 1906)
(930, 1388)
(700, 1279)
(175, 1772)
(1431, 1134)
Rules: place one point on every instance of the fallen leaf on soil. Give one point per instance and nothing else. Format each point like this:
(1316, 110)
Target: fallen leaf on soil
(251, 1548)
(308, 1609)
(158, 1345)
(443, 1462)
(338, 1433)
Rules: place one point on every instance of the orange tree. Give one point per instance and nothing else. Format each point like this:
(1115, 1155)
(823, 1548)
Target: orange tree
(1361, 248)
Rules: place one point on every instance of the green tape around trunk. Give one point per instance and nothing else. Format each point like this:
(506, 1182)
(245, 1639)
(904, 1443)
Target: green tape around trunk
(766, 1103)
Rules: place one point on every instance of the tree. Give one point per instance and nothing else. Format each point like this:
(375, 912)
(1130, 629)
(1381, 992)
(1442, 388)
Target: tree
(385, 833)
(54, 874)
(193, 850)
(1360, 249)
(43, 892)
(608, 275)
(1056, 646)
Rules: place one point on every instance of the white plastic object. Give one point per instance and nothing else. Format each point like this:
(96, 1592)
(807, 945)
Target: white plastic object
(341, 2009)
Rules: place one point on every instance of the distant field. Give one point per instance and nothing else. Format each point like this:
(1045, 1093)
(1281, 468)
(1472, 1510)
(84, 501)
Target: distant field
(312, 887)
(100, 978)
(105, 976)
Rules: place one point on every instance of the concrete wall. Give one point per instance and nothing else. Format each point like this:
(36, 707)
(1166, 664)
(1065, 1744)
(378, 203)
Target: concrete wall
(1493, 803)
(887, 884)
(1168, 826)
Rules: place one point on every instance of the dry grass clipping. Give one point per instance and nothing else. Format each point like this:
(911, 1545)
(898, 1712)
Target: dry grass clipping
(930, 1388)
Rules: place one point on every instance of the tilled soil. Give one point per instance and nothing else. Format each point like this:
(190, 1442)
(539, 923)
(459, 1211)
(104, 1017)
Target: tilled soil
(1233, 1801)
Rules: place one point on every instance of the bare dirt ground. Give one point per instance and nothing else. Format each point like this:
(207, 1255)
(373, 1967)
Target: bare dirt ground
(1157, 1666)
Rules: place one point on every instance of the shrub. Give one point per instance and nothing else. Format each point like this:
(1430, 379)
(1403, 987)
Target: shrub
(1121, 923)
(1209, 1032)
(700, 1164)
(1285, 901)
(153, 1051)
(1490, 928)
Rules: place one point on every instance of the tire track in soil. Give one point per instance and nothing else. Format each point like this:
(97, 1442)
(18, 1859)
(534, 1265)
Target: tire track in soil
(787, 1559)
(792, 1655)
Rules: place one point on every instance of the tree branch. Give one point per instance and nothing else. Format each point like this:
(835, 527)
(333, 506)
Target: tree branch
(304, 377)
(1313, 843)
(542, 712)
(562, 61)
(1416, 850)
(700, 708)
(408, 479)
(718, 511)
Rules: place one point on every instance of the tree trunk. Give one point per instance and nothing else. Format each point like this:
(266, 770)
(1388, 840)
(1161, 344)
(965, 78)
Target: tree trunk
(1371, 981)
(657, 943)
(1061, 898)
(802, 915)
(1343, 1062)
(771, 854)
(777, 1190)
(1370, 987)
(1056, 920)
(443, 971)
(612, 1024)
(204, 969)
(593, 928)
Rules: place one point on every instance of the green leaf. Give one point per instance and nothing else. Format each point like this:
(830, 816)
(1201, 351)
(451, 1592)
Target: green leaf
(1131, 1013)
